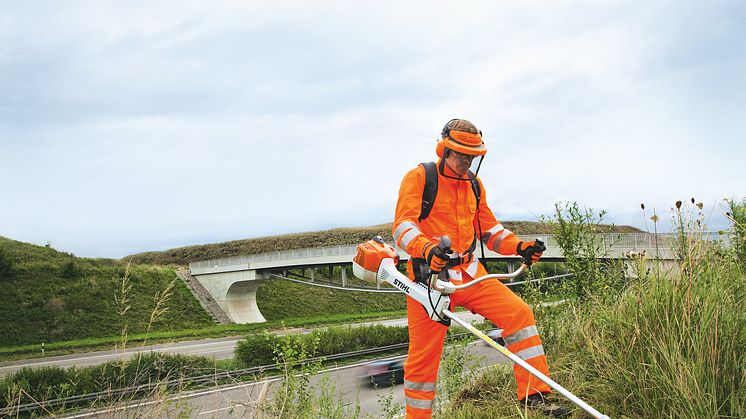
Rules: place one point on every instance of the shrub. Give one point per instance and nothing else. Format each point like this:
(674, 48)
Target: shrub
(55, 304)
(576, 231)
(69, 269)
(256, 350)
(736, 211)
(6, 265)
(260, 349)
(39, 384)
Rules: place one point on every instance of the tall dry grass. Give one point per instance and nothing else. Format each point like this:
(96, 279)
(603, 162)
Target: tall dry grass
(669, 343)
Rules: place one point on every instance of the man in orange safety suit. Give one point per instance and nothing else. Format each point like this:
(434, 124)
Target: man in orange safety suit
(455, 213)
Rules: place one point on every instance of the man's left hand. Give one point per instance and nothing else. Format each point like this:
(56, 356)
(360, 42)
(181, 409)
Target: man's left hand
(531, 251)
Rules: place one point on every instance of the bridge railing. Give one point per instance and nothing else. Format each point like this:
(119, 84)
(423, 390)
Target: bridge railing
(631, 240)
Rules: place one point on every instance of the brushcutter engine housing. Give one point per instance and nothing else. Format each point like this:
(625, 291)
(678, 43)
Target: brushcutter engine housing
(368, 259)
(375, 261)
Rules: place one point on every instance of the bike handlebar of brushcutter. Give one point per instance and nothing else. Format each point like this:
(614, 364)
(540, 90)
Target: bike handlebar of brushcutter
(447, 287)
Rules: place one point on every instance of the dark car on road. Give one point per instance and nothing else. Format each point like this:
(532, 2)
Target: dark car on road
(384, 373)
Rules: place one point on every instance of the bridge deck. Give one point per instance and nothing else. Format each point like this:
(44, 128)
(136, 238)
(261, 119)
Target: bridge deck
(615, 246)
(233, 281)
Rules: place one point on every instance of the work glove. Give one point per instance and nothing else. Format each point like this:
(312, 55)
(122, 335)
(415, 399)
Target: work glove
(531, 251)
(436, 257)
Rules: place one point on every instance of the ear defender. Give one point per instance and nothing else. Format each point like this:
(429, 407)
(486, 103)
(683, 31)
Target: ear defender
(440, 148)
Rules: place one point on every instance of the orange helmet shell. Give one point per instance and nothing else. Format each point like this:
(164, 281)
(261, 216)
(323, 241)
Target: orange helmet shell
(463, 142)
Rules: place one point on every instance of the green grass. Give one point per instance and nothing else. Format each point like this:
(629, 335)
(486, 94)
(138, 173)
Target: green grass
(106, 343)
(69, 303)
(49, 296)
(49, 383)
(278, 300)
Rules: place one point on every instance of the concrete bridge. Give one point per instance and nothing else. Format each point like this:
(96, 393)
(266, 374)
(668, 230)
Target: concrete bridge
(232, 282)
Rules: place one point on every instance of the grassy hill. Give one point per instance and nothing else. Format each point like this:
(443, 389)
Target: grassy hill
(337, 236)
(49, 296)
(283, 300)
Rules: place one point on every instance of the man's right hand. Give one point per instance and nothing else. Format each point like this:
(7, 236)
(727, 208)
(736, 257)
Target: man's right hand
(435, 257)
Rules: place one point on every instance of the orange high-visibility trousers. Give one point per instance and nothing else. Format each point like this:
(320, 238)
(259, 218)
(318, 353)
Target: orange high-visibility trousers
(497, 303)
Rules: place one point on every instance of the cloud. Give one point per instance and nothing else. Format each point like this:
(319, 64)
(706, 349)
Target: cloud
(126, 129)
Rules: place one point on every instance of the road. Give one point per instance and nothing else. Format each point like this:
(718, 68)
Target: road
(238, 400)
(219, 348)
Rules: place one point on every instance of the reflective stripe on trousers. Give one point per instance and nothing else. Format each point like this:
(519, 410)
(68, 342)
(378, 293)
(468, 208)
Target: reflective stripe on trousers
(531, 352)
(521, 334)
(415, 385)
(419, 398)
(419, 403)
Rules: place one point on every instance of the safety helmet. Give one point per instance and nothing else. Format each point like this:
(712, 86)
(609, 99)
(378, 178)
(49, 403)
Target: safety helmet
(462, 136)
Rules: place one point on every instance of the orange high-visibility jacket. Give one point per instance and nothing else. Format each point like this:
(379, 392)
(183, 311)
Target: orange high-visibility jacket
(454, 214)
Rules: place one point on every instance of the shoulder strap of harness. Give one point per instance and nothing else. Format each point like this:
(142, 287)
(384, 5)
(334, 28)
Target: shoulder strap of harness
(475, 187)
(430, 190)
(478, 194)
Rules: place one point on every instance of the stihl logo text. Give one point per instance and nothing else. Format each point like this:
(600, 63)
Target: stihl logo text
(404, 287)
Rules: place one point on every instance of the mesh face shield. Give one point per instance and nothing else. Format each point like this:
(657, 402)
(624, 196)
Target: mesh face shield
(476, 164)
(459, 165)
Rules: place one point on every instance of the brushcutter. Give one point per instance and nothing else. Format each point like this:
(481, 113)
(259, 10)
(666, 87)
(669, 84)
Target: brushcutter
(375, 261)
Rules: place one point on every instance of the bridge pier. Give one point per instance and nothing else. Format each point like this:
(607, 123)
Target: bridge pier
(235, 293)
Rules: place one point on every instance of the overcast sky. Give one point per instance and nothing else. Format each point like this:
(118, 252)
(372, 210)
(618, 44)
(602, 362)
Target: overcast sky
(127, 128)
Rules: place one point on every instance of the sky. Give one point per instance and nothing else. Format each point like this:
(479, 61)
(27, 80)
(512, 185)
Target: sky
(136, 126)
